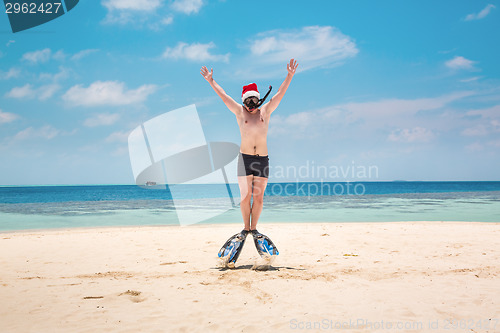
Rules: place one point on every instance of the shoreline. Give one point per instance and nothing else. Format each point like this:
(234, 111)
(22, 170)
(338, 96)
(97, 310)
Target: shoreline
(236, 225)
(152, 278)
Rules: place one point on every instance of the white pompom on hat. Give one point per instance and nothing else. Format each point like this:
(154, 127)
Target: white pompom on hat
(250, 91)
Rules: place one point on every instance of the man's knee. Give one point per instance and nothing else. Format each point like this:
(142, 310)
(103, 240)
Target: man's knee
(258, 198)
(245, 197)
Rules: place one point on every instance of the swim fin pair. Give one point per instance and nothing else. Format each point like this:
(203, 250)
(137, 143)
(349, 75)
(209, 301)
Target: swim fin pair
(231, 250)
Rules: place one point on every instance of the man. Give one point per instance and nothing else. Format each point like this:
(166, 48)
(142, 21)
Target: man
(253, 162)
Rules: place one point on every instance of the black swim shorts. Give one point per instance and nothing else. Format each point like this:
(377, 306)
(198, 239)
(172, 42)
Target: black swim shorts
(253, 165)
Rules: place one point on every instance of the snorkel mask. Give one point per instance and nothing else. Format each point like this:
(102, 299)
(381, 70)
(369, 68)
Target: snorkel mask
(254, 102)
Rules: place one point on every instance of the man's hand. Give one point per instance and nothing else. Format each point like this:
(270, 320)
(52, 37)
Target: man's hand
(230, 103)
(206, 74)
(292, 66)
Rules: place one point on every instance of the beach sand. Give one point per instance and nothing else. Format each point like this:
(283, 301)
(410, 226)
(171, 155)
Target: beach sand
(417, 276)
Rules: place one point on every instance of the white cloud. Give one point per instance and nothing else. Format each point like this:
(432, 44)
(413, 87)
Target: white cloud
(25, 91)
(364, 116)
(416, 134)
(471, 79)
(482, 14)
(474, 147)
(300, 119)
(120, 136)
(447, 51)
(10, 42)
(133, 13)
(187, 6)
(495, 124)
(491, 112)
(120, 151)
(38, 56)
(61, 75)
(460, 63)
(107, 93)
(167, 20)
(46, 132)
(7, 117)
(103, 119)
(157, 25)
(11, 73)
(133, 5)
(194, 52)
(398, 108)
(41, 56)
(478, 130)
(311, 46)
(47, 91)
(28, 92)
(295, 124)
(83, 53)
(59, 55)
(149, 14)
(489, 121)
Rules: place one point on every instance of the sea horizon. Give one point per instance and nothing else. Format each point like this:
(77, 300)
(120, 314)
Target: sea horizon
(309, 181)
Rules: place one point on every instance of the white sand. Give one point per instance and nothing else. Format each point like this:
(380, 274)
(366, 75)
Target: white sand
(164, 279)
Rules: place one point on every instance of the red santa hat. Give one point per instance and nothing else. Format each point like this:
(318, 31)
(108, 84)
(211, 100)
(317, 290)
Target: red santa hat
(250, 91)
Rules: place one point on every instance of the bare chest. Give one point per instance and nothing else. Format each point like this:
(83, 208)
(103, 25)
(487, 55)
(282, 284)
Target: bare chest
(252, 122)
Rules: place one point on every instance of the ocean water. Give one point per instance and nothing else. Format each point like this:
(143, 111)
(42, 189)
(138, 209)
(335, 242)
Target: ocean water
(44, 207)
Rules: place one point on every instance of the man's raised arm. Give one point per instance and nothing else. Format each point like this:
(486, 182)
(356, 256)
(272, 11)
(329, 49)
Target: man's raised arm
(276, 99)
(230, 103)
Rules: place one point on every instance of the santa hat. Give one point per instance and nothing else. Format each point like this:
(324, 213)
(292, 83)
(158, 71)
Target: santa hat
(250, 91)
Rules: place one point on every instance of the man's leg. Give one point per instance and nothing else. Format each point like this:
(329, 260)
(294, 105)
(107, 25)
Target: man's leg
(245, 184)
(259, 186)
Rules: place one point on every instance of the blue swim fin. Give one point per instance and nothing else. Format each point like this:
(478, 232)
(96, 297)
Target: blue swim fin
(264, 244)
(231, 249)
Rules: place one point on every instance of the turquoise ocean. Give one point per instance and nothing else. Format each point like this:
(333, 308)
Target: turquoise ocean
(46, 207)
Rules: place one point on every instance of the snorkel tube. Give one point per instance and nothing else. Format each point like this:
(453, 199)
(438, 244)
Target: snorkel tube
(261, 101)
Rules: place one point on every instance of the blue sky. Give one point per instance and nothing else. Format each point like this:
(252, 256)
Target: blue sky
(411, 87)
